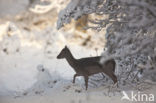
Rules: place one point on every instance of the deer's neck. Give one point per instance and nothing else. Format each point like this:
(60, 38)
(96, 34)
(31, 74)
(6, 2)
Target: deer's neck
(71, 60)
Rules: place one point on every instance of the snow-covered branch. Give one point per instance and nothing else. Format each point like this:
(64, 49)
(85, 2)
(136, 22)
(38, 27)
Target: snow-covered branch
(75, 9)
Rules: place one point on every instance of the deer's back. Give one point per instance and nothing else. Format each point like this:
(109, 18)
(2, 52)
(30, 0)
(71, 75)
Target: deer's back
(89, 60)
(91, 65)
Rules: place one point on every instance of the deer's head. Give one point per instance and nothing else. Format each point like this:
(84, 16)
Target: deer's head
(63, 53)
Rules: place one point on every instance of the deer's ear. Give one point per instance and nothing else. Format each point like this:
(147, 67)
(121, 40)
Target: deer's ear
(65, 46)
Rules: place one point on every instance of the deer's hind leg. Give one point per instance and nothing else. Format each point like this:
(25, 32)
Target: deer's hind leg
(114, 78)
(111, 75)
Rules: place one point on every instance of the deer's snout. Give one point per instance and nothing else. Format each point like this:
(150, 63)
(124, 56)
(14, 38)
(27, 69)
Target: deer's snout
(58, 57)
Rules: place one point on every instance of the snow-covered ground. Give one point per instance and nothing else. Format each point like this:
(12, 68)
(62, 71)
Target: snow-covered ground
(30, 72)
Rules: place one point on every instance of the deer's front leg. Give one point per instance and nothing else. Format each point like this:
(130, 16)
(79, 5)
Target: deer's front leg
(74, 77)
(86, 81)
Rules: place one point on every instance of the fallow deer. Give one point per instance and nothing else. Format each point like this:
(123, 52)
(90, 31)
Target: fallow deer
(88, 66)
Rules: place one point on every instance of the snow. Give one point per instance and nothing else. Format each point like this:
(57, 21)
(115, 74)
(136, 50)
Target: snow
(22, 69)
(10, 7)
(30, 72)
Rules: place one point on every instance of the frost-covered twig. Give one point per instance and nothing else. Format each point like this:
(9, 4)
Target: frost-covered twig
(39, 9)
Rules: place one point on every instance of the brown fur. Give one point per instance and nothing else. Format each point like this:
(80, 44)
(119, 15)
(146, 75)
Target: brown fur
(88, 66)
